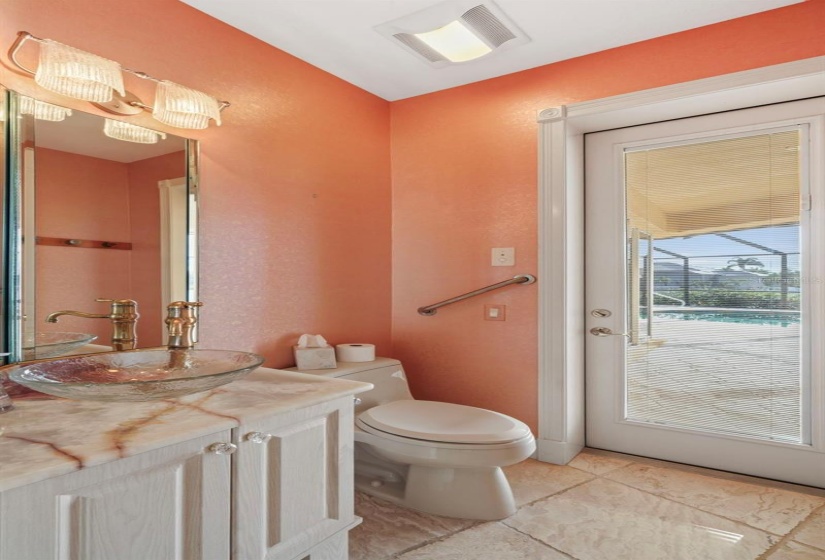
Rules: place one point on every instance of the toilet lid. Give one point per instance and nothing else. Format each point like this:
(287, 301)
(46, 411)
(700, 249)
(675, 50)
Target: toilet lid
(443, 422)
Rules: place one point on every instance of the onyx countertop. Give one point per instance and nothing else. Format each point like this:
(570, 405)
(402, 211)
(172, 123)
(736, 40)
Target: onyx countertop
(45, 436)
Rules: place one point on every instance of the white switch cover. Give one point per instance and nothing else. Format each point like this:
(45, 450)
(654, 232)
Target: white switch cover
(504, 256)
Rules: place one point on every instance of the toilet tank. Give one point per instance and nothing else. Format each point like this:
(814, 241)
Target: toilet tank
(386, 374)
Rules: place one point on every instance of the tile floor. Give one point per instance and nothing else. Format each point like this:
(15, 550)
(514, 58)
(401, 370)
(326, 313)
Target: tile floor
(610, 506)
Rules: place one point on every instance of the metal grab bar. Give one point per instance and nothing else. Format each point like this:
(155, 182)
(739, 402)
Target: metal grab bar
(519, 279)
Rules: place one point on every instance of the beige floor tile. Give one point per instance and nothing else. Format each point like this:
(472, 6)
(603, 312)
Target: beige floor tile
(491, 541)
(596, 464)
(813, 531)
(605, 520)
(532, 480)
(769, 509)
(795, 551)
(388, 529)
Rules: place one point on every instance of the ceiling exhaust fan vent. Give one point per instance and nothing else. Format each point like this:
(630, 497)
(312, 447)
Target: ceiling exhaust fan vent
(420, 47)
(454, 32)
(485, 24)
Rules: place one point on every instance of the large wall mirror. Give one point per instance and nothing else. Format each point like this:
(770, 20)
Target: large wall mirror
(92, 217)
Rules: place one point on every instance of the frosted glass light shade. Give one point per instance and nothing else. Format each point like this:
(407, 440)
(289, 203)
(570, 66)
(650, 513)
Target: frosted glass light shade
(182, 107)
(43, 111)
(75, 73)
(455, 42)
(131, 133)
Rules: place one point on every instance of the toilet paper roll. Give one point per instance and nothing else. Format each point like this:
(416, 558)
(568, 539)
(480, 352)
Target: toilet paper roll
(355, 352)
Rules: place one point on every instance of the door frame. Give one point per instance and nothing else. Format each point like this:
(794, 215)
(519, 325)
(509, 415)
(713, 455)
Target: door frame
(561, 218)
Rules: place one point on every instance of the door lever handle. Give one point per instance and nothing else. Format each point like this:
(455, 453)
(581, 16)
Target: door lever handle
(604, 331)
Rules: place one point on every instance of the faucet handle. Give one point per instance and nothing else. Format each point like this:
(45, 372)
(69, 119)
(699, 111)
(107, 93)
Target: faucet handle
(184, 304)
(125, 308)
(181, 319)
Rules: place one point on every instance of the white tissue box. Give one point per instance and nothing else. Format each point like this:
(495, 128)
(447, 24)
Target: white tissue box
(314, 358)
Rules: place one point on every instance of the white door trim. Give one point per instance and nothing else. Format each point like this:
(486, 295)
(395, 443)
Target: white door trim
(561, 218)
(173, 240)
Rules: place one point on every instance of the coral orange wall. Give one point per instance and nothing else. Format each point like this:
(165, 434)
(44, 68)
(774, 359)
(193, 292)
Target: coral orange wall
(296, 183)
(464, 181)
(85, 198)
(144, 214)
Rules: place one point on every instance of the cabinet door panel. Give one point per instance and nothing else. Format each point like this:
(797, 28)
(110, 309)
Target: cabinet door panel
(171, 503)
(294, 490)
(299, 459)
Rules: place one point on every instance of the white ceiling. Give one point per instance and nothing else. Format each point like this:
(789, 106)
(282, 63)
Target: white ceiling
(338, 35)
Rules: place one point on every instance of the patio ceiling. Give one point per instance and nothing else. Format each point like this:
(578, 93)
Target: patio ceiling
(719, 186)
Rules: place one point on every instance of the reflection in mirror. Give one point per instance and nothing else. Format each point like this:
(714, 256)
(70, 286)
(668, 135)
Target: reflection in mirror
(99, 218)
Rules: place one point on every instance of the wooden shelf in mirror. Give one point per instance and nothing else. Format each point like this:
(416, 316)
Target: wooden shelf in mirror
(85, 243)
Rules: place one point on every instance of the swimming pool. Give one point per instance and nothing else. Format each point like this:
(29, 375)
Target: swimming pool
(780, 318)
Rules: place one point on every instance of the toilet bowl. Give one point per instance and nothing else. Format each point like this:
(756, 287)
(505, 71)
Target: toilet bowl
(439, 458)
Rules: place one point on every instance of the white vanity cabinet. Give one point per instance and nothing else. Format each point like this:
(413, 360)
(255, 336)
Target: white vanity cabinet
(286, 493)
(293, 481)
(169, 503)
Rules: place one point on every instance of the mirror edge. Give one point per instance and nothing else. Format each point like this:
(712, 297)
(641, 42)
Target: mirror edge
(5, 304)
(192, 217)
(13, 230)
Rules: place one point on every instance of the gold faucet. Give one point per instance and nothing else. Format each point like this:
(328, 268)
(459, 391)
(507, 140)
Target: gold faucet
(124, 318)
(182, 316)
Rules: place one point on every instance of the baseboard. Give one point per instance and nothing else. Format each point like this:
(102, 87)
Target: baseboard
(557, 452)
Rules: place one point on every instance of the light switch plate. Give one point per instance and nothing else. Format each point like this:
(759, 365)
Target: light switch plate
(504, 256)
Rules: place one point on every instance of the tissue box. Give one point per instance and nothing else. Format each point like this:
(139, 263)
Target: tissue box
(314, 358)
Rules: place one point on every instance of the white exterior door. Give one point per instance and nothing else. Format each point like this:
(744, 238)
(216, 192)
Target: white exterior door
(705, 291)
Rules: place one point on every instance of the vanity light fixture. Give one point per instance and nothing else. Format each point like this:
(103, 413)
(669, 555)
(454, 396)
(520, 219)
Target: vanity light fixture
(42, 110)
(75, 73)
(81, 75)
(129, 132)
(118, 130)
(182, 107)
(454, 32)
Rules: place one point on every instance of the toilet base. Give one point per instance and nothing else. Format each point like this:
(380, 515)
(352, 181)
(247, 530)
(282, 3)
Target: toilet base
(471, 493)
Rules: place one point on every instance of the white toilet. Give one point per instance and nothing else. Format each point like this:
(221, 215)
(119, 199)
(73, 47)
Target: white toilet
(434, 457)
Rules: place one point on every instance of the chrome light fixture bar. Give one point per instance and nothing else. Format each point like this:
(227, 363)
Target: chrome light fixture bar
(81, 75)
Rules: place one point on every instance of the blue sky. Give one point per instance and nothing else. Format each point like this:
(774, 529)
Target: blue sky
(704, 247)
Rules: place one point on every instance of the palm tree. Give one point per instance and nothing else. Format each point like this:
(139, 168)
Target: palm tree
(743, 262)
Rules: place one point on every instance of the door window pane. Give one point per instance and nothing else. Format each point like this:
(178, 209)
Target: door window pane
(715, 297)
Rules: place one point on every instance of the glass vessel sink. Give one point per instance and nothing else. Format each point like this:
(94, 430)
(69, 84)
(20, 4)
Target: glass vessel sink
(133, 375)
(51, 344)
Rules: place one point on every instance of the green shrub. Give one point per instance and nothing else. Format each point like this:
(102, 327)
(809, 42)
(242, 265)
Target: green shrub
(731, 298)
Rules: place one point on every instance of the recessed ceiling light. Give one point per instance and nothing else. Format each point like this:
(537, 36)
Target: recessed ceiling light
(455, 42)
(454, 32)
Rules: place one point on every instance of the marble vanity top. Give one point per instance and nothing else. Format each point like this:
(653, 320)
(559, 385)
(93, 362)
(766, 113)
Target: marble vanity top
(47, 436)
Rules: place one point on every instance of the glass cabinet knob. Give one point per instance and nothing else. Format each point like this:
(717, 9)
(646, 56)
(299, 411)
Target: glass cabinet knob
(222, 448)
(258, 437)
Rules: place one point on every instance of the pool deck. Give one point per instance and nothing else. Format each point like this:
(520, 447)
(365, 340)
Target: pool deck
(731, 377)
